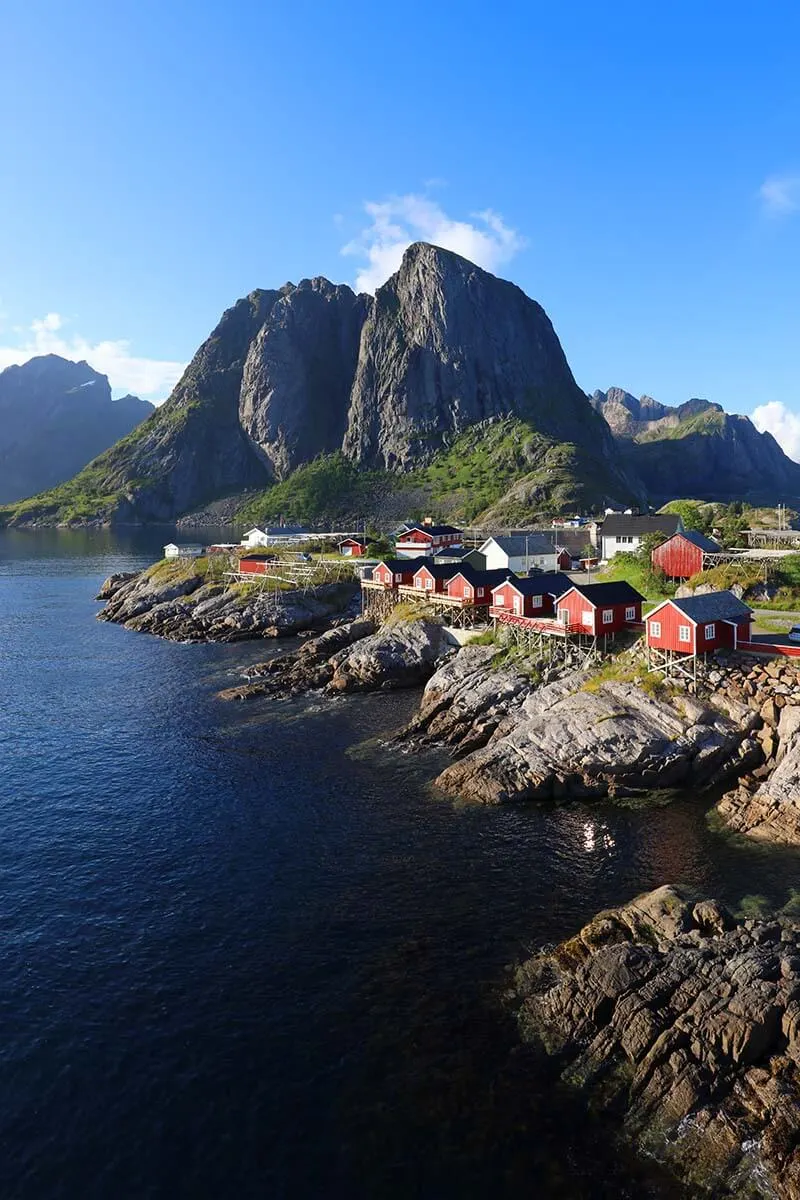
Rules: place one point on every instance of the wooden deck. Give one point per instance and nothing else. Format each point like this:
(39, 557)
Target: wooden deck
(546, 625)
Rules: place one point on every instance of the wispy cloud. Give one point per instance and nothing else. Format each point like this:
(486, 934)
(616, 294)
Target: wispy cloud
(150, 378)
(395, 223)
(780, 195)
(782, 423)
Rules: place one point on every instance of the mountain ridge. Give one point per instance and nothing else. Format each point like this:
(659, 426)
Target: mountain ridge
(696, 449)
(56, 415)
(389, 381)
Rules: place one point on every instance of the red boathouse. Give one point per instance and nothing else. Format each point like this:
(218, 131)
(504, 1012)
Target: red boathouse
(473, 587)
(395, 572)
(699, 624)
(600, 608)
(683, 554)
(534, 596)
(432, 578)
(352, 547)
(256, 564)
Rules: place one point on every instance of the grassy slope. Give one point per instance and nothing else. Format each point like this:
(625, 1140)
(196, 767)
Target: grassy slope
(505, 469)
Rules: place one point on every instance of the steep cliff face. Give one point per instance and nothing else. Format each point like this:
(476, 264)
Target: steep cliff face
(390, 381)
(56, 415)
(447, 345)
(299, 371)
(697, 449)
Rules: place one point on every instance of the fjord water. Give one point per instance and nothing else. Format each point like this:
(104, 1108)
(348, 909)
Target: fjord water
(246, 952)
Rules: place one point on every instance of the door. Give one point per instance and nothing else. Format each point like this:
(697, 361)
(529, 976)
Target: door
(517, 606)
(563, 616)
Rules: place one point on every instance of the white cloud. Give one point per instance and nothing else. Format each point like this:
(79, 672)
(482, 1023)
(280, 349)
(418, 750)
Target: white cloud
(397, 222)
(782, 423)
(150, 378)
(780, 195)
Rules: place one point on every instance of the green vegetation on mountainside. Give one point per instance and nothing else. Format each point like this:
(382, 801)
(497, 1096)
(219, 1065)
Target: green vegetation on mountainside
(708, 423)
(504, 471)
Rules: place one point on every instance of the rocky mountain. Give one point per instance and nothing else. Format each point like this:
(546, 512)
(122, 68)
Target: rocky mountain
(697, 449)
(388, 382)
(55, 416)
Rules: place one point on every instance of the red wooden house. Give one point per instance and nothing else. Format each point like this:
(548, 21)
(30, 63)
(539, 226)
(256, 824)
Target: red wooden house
(473, 587)
(396, 572)
(353, 547)
(683, 554)
(564, 559)
(699, 624)
(256, 564)
(534, 596)
(600, 608)
(427, 538)
(432, 578)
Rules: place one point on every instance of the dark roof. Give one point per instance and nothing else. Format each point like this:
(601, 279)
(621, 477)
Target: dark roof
(360, 541)
(258, 557)
(440, 570)
(551, 583)
(453, 552)
(615, 592)
(622, 525)
(404, 565)
(701, 541)
(480, 578)
(432, 529)
(517, 544)
(714, 606)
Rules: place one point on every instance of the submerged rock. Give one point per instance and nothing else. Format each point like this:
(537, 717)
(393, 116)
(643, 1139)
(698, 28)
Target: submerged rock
(687, 1025)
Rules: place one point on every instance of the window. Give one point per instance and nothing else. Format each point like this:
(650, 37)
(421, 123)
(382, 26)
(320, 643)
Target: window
(684, 633)
(625, 539)
(397, 578)
(429, 584)
(500, 600)
(517, 606)
(480, 591)
(467, 593)
(586, 617)
(536, 601)
(418, 583)
(711, 632)
(630, 613)
(655, 629)
(608, 616)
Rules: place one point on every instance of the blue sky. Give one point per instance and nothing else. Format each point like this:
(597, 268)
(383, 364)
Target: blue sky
(634, 167)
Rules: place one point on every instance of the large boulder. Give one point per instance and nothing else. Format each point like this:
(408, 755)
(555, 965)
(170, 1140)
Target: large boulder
(401, 654)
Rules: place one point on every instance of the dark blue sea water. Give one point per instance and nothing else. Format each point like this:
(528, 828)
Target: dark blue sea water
(245, 952)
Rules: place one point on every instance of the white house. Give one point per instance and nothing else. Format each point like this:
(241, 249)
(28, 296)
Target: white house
(520, 553)
(189, 551)
(254, 538)
(624, 532)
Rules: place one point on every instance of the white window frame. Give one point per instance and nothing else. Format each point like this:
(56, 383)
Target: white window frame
(418, 583)
(480, 591)
(655, 629)
(516, 604)
(397, 578)
(467, 593)
(630, 612)
(428, 584)
(536, 601)
(587, 617)
(608, 616)
(685, 634)
(499, 600)
(710, 632)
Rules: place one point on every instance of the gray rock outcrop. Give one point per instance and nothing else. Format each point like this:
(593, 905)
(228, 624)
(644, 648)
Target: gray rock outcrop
(565, 741)
(182, 605)
(686, 1024)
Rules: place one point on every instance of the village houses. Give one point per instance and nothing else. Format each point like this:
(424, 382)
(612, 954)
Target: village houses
(520, 553)
(623, 532)
(683, 554)
(699, 624)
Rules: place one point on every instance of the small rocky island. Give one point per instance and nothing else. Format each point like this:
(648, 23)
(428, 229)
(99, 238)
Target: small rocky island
(685, 1024)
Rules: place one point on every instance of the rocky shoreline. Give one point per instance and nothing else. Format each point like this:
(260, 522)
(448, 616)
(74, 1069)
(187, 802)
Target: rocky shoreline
(175, 601)
(685, 1024)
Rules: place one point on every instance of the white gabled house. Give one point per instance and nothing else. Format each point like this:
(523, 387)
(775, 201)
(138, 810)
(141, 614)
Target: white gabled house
(520, 553)
(253, 538)
(191, 550)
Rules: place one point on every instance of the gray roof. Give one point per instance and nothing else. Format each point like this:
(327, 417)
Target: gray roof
(518, 544)
(615, 591)
(701, 541)
(622, 525)
(714, 606)
(552, 583)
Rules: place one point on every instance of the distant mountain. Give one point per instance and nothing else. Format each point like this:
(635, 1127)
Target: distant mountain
(697, 449)
(386, 385)
(55, 416)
